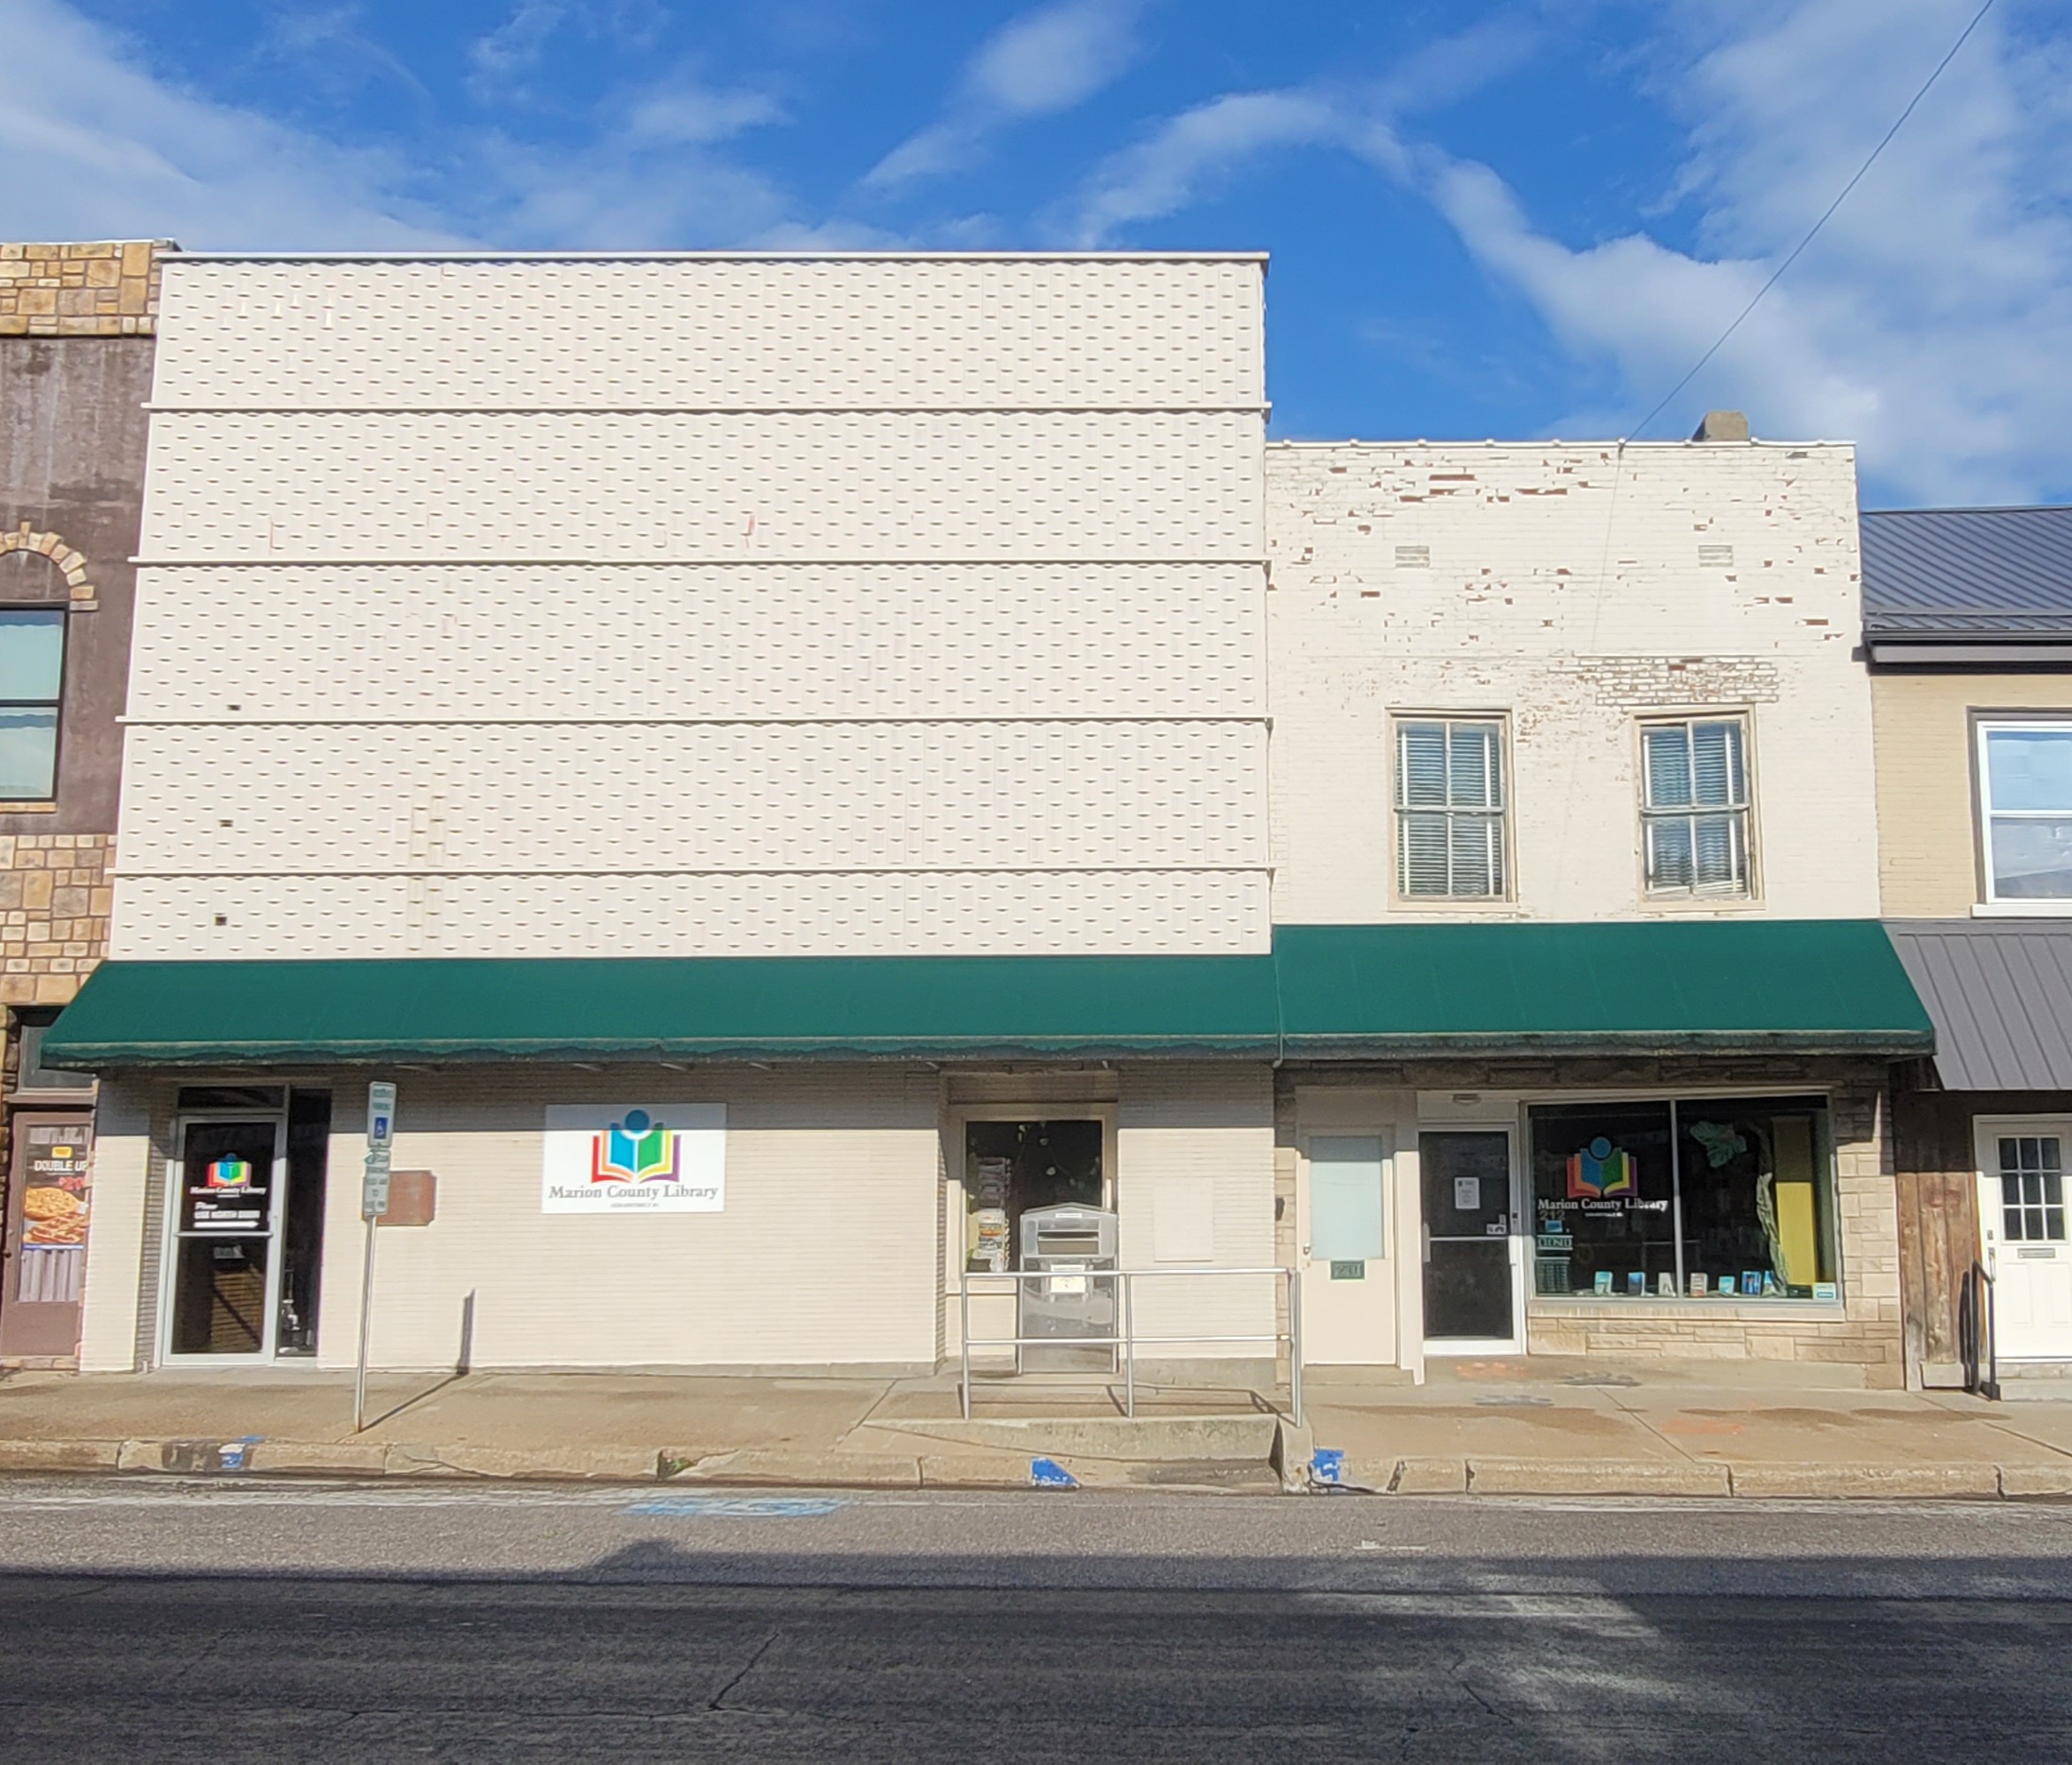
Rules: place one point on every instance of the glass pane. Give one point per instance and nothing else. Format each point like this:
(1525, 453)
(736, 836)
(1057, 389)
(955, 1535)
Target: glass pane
(1718, 867)
(28, 752)
(2030, 768)
(1421, 765)
(227, 1179)
(1472, 782)
(36, 1076)
(1716, 764)
(32, 652)
(1467, 1289)
(2011, 1223)
(2033, 859)
(1757, 1196)
(2054, 1224)
(219, 1295)
(1603, 1215)
(1346, 1199)
(1422, 838)
(1477, 868)
(1669, 851)
(1668, 771)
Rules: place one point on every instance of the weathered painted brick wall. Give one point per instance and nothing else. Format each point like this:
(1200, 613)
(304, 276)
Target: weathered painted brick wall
(105, 289)
(1573, 588)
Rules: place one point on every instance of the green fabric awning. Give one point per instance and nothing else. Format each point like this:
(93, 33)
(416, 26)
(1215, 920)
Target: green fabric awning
(1327, 992)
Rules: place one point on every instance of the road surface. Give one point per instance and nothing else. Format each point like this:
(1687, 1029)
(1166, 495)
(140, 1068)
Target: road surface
(231, 1620)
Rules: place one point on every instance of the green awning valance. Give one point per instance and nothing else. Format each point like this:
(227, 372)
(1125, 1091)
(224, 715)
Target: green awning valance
(1327, 992)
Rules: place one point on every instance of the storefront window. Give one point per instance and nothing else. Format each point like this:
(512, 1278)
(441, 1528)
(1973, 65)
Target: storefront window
(1701, 1200)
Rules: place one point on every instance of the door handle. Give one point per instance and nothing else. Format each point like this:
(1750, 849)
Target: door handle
(1426, 1229)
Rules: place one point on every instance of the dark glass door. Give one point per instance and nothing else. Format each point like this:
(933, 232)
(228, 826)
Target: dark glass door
(1467, 1236)
(223, 1261)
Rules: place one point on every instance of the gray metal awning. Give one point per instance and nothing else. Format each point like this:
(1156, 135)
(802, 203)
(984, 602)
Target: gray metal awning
(2002, 998)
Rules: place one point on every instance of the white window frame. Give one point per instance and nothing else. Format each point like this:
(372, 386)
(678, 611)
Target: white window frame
(1746, 889)
(1498, 813)
(1983, 729)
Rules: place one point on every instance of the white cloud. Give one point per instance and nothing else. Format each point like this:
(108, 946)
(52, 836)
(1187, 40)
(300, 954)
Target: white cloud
(1050, 60)
(1931, 320)
(1040, 63)
(692, 114)
(151, 160)
(146, 160)
(497, 58)
(1172, 166)
(1165, 172)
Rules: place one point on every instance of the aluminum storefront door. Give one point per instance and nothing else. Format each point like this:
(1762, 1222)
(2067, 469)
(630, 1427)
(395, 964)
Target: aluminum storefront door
(2022, 1220)
(1468, 1286)
(224, 1264)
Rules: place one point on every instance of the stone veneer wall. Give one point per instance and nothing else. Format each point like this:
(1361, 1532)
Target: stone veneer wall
(109, 289)
(55, 893)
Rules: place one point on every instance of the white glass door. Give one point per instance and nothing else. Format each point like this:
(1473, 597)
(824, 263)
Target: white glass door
(1349, 1295)
(2022, 1224)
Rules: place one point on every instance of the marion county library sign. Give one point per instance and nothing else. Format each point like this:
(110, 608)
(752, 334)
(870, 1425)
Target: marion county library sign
(651, 1159)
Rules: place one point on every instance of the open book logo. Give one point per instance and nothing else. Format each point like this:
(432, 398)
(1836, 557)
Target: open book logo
(230, 1171)
(1600, 1170)
(637, 1149)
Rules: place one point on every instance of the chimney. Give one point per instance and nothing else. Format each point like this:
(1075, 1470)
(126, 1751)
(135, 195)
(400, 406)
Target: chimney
(1722, 426)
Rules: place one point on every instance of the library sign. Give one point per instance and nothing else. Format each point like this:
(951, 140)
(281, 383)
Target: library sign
(645, 1158)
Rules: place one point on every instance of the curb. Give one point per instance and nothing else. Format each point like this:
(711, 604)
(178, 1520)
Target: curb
(768, 1468)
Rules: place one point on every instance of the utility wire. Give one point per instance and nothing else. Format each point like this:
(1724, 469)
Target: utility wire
(1978, 19)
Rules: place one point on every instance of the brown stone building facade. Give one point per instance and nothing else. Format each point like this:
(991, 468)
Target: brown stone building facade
(76, 324)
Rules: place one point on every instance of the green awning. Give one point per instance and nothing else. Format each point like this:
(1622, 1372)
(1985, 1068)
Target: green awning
(1799, 984)
(1327, 992)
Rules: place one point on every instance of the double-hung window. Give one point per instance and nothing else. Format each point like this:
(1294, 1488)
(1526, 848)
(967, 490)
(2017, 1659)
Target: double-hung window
(1694, 804)
(32, 666)
(1449, 809)
(2024, 772)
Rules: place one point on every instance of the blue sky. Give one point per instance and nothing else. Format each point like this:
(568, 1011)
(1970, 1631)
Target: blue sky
(1519, 219)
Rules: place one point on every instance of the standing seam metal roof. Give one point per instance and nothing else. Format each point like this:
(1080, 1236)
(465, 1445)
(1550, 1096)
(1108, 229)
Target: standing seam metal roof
(1967, 572)
(2002, 998)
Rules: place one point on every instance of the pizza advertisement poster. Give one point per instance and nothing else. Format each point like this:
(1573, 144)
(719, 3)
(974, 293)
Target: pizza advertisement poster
(56, 1187)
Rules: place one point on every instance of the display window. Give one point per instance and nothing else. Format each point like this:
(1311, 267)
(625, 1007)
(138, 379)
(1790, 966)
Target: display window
(1698, 1200)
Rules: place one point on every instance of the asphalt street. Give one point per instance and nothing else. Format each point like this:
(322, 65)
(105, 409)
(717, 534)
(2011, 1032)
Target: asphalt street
(243, 1621)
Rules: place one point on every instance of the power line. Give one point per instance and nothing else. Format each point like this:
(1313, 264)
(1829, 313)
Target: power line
(1978, 19)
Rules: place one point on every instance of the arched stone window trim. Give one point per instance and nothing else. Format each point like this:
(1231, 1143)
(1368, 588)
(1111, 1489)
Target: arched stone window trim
(78, 582)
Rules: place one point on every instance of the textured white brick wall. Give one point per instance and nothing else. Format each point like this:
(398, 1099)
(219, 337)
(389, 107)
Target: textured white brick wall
(701, 605)
(1565, 586)
(822, 1255)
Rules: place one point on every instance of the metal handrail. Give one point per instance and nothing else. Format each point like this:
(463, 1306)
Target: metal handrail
(1976, 1335)
(1124, 1341)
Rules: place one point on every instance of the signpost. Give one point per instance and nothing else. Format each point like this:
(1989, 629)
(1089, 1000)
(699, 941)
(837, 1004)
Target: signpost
(381, 1136)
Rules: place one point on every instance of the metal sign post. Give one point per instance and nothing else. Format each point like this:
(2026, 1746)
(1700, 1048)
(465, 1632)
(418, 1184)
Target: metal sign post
(381, 1134)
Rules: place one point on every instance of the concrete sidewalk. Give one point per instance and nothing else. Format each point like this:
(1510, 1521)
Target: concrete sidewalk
(1544, 1426)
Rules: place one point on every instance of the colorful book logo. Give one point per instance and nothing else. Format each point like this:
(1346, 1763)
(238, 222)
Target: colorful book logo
(229, 1171)
(636, 1150)
(1600, 1170)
